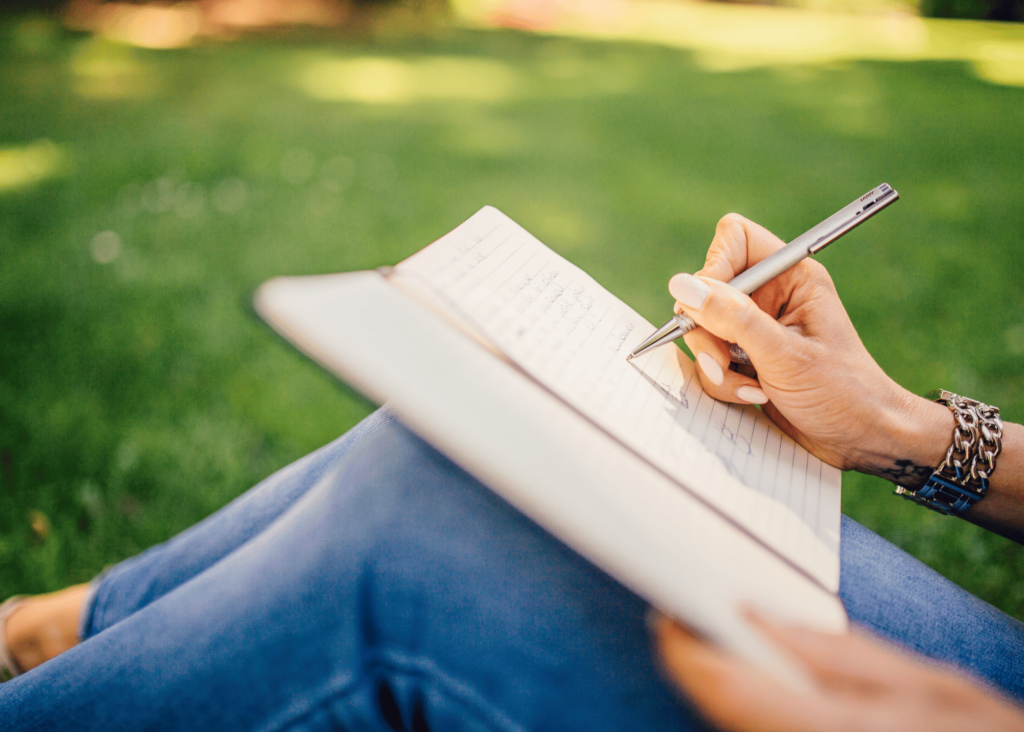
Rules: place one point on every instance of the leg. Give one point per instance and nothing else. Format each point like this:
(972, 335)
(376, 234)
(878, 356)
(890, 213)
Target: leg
(136, 582)
(397, 593)
(42, 627)
(894, 595)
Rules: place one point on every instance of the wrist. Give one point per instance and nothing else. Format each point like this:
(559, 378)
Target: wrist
(916, 434)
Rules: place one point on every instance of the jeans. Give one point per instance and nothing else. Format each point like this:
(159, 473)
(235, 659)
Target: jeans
(374, 585)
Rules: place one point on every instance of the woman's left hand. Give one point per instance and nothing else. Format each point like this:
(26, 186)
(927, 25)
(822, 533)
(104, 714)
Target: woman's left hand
(859, 684)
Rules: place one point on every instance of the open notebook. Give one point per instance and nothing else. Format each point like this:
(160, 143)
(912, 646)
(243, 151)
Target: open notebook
(512, 361)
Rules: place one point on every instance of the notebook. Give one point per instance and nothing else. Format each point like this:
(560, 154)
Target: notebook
(512, 361)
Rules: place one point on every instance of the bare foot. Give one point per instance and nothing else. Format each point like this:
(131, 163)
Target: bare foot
(44, 626)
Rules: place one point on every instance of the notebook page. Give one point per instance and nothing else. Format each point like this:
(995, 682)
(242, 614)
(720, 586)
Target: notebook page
(560, 326)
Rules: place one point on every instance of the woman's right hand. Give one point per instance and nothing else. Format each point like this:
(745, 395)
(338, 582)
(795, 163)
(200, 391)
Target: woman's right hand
(813, 375)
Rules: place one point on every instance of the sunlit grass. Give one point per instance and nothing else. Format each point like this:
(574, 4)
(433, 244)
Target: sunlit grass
(728, 37)
(29, 164)
(375, 80)
(1001, 63)
(109, 70)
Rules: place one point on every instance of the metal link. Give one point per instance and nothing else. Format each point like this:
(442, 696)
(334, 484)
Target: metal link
(961, 479)
(977, 441)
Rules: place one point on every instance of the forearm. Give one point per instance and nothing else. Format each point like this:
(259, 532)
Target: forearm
(1002, 511)
(922, 433)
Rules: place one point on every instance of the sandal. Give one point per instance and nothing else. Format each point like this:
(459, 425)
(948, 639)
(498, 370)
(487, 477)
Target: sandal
(8, 666)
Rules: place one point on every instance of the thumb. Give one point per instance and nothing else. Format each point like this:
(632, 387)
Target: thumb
(731, 315)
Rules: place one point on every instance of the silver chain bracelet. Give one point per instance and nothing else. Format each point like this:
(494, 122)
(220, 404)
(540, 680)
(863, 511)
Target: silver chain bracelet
(961, 480)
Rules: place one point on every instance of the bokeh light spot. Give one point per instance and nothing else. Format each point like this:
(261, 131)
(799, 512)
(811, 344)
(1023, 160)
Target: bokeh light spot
(105, 247)
(229, 195)
(158, 195)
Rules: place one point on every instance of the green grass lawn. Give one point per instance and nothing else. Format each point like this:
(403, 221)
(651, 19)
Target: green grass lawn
(138, 393)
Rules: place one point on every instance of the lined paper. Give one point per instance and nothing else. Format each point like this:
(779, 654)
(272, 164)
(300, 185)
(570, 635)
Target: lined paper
(555, 322)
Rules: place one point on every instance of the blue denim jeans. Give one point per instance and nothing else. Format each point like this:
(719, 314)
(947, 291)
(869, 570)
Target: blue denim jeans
(374, 585)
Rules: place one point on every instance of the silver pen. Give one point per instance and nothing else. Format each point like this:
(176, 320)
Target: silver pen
(811, 242)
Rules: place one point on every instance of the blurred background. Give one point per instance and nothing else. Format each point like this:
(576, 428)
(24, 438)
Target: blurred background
(159, 161)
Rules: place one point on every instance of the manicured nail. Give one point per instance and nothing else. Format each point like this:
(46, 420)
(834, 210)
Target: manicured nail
(751, 395)
(711, 369)
(688, 290)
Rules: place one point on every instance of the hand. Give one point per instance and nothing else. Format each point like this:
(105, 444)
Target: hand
(860, 684)
(813, 375)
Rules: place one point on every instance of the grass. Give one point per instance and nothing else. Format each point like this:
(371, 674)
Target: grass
(138, 393)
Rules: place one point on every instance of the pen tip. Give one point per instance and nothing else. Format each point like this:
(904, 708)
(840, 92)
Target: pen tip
(629, 357)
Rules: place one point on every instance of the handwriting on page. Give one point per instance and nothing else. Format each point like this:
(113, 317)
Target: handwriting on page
(572, 335)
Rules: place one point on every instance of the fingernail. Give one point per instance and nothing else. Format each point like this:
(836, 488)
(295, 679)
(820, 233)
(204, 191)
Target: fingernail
(711, 369)
(751, 395)
(688, 290)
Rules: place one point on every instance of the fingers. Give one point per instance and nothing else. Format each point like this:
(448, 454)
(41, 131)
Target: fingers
(732, 694)
(738, 244)
(843, 659)
(736, 696)
(712, 354)
(731, 316)
(712, 358)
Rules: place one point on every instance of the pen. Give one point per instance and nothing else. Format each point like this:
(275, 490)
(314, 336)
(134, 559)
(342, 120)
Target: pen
(808, 243)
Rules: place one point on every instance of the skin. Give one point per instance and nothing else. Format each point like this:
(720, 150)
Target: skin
(825, 389)
(860, 684)
(44, 626)
(826, 392)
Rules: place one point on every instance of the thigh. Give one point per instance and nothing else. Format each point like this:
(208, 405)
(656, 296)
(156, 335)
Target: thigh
(134, 583)
(397, 593)
(891, 593)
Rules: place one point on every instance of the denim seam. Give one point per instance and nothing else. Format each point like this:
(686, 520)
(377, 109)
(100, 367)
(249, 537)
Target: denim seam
(457, 692)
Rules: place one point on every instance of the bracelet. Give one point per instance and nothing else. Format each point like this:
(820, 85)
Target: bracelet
(961, 480)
